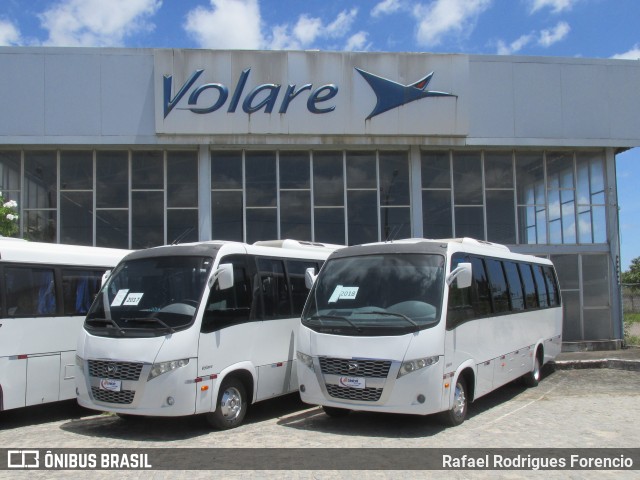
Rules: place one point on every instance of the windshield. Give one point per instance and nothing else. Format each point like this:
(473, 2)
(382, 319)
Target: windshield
(387, 294)
(150, 297)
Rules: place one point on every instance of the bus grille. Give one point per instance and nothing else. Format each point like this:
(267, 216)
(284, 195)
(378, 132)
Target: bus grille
(360, 394)
(115, 370)
(366, 368)
(124, 397)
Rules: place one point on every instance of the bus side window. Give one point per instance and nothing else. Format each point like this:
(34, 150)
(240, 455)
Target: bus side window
(459, 308)
(30, 291)
(299, 292)
(552, 286)
(516, 294)
(480, 294)
(531, 298)
(499, 292)
(233, 305)
(543, 296)
(275, 290)
(79, 288)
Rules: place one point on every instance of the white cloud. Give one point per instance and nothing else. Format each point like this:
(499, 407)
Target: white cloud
(556, 6)
(96, 22)
(308, 30)
(226, 24)
(633, 54)
(554, 35)
(9, 34)
(386, 7)
(443, 17)
(357, 42)
(515, 46)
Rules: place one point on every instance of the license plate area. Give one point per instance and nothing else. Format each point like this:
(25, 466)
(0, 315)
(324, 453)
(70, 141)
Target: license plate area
(352, 382)
(111, 385)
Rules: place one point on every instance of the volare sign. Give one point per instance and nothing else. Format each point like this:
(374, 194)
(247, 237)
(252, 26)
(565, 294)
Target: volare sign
(231, 93)
(262, 97)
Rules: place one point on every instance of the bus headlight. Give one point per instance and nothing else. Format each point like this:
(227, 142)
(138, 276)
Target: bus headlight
(159, 368)
(305, 359)
(412, 365)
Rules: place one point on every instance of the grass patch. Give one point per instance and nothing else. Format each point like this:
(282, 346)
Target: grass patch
(632, 318)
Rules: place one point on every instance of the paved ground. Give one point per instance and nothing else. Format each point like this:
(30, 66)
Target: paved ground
(570, 408)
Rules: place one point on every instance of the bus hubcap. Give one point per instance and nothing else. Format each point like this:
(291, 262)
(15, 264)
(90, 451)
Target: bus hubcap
(231, 403)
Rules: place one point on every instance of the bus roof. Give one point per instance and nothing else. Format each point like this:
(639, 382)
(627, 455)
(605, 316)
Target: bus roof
(18, 250)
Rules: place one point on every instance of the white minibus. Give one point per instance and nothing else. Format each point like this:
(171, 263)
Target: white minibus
(45, 292)
(425, 326)
(196, 328)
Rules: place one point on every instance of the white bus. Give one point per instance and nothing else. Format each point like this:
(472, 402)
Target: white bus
(196, 328)
(425, 326)
(45, 292)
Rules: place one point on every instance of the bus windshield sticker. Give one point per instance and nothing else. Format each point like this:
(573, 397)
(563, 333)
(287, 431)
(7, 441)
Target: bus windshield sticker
(119, 298)
(133, 299)
(343, 293)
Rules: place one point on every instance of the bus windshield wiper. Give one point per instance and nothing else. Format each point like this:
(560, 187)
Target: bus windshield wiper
(108, 321)
(149, 320)
(336, 317)
(392, 314)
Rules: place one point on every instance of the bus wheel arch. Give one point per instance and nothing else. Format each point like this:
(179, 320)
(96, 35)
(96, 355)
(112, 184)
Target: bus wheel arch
(462, 395)
(532, 378)
(233, 399)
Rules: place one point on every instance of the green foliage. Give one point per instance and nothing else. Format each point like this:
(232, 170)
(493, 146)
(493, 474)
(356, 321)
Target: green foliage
(632, 276)
(8, 217)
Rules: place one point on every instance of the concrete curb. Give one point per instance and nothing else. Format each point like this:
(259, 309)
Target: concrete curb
(616, 363)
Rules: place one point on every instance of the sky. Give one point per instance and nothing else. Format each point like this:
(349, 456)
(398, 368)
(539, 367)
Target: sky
(562, 28)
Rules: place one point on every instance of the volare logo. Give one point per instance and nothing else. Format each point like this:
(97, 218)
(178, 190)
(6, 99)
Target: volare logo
(210, 97)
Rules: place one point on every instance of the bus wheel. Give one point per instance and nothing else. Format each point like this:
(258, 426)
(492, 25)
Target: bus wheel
(458, 412)
(231, 406)
(532, 378)
(336, 412)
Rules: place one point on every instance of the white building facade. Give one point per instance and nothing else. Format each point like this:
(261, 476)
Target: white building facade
(134, 148)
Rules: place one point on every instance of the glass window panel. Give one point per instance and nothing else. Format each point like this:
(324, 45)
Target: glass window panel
(555, 232)
(79, 287)
(532, 225)
(147, 219)
(501, 223)
(436, 212)
(585, 232)
(9, 170)
(112, 179)
(582, 184)
(30, 291)
(226, 216)
(226, 170)
(261, 224)
(260, 178)
(76, 218)
(498, 170)
(295, 215)
(469, 222)
(40, 225)
(395, 223)
(554, 205)
(40, 180)
(516, 293)
(597, 173)
(436, 170)
(552, 288)
(328, 179)
(568, 223)
(560, 170)
(182, 225)
(467, 178)
(294, 170)
(498, 289)
(147, 170)
(275, 290)
(597, 324)
(76, 170)
(595, 280)
(480, 292)
(329, 225)
(296, 270)
(571, 324)
(529, 178)
(541, 286)
(182, 179)
(394, 178)
(361, 170)
(363, 216)
(599, 224)
(567, 270)
(112, 228)
(531, 297)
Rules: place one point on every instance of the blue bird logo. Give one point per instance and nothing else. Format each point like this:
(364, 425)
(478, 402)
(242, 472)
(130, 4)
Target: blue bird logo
(392, 94)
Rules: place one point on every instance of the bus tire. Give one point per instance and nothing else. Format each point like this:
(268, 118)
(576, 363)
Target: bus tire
(334, 412)
(231, 406)
(457, 414)
(532, 378)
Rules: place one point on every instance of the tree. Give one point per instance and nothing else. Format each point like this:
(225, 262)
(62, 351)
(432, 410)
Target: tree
(632, 276)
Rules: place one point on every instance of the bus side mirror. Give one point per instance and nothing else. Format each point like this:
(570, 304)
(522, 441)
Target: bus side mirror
(224, 275)
(462, 273)
(310, 277)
